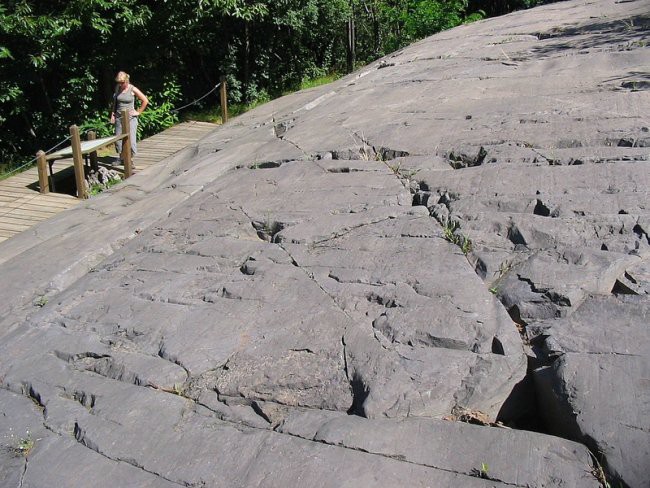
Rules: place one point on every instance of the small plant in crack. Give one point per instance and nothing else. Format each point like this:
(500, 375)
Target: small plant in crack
(504, 267)
(396, 168)
(176, 389)
(599, 473)
(41, 301)
(267, 228)
(482, 472)
(466, 246)
(24, 445)
(366, 152)
(405, 174)
(409, 173)
(268, 225)
(450, 234)
(450, 229)
(629, 24)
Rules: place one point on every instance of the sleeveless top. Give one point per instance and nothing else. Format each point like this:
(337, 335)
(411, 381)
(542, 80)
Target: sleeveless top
(125, 100)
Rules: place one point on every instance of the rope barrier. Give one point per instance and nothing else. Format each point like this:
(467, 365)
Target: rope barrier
(197, 100)
(34, 160)
(175, 110)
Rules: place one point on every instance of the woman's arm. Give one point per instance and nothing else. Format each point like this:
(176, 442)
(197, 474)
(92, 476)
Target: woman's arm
(144, 101)
(113, 107)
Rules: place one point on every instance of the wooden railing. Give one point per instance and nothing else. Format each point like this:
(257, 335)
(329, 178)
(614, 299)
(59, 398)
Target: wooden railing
(79, 149)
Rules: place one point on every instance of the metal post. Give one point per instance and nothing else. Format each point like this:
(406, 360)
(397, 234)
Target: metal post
(224, 100)
(126, 144)
(93, 155)
(43, 181)
(77, 158)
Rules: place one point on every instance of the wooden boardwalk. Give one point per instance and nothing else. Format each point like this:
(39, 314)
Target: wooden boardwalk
(22, 206)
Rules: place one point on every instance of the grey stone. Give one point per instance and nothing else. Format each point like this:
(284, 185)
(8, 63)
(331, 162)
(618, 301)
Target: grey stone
(226, 318)
(452, 447)
(601, 400)
(601, 325)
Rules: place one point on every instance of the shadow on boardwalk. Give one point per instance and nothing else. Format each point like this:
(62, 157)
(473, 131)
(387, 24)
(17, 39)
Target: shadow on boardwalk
(22, 206)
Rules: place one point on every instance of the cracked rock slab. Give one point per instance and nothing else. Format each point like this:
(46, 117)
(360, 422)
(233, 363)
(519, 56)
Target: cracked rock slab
(450, 446)
(416, 308)
(602, 400)
(227, 319)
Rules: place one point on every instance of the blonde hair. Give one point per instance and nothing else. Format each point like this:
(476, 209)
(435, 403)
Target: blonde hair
(122, 76)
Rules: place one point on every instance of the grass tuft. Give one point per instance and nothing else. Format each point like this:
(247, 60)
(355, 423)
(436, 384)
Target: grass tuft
(24, 445)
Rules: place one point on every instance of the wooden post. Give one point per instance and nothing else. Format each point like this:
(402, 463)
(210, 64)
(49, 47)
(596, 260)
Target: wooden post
(93, 155)
(224, 100)
(43, 181)
(126, 144)
(77, 158)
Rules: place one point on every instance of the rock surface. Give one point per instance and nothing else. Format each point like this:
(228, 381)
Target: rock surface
(326, 290)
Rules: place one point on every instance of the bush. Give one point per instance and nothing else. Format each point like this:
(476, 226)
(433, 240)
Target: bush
(160, 113)
(100, 123)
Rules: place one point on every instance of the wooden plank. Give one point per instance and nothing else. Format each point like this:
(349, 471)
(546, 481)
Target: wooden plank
(158, 149)
(185, 135)
(22, 206)
(17, 190)
(52, 203)
(166, 145)
(28, 221)
(158, 155)
(13, 227)
(182, 134)
(86, 147)
(18, 214)
(174, 146)
(8, 191)
(28, 211)
(57, 204)
(161, 150)
(18, 184)
(35, 206)
(31, 213)
(22, 178)
(20, 220)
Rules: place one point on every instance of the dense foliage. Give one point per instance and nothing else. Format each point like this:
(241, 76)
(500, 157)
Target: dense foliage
(58, 58)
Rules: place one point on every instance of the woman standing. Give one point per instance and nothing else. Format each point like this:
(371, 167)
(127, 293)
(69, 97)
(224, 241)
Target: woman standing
(124, 99)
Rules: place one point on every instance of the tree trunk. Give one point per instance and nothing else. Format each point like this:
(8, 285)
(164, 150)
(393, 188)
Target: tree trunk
(351, 47)
(46, 95)
(247, 53)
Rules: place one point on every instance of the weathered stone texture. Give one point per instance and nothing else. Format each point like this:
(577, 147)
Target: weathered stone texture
(324, 290)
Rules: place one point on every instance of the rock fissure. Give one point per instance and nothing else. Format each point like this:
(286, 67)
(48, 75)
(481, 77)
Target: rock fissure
(24, 473)
(82, 440)
(474, 473)
(164, 354)
(409, 334)
(348, 231)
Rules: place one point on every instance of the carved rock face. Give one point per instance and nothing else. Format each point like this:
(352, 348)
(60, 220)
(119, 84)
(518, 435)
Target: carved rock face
(327, 289)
